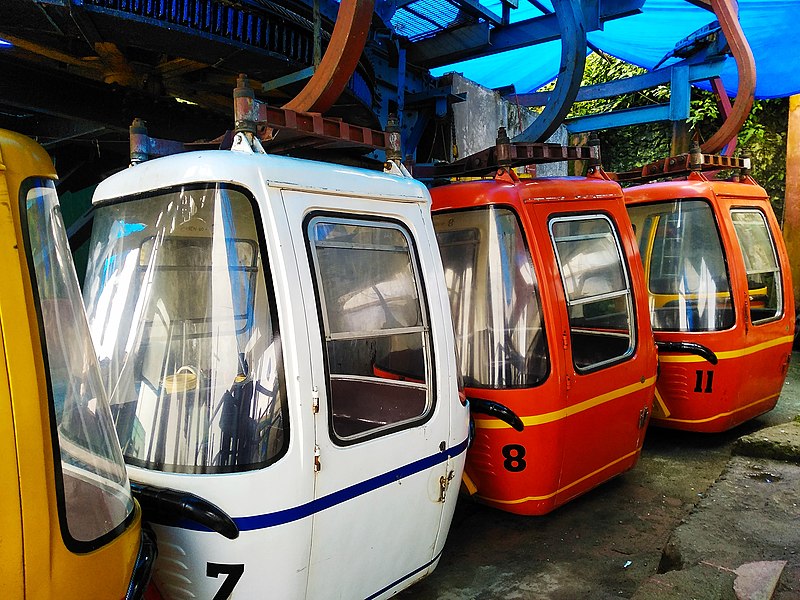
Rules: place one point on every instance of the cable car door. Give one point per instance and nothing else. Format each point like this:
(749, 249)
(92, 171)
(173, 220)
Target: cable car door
(768, 302)
(609, 379)
(381, 436)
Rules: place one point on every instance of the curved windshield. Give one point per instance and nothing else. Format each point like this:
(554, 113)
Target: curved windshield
(494, 297)
(96, 495)
(186, 331)
(687, 278)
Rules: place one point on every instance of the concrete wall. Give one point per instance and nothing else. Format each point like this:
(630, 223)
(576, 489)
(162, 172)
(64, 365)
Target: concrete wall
(478, 118)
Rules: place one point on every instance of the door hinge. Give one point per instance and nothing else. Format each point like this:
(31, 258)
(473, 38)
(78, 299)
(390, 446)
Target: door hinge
(564, 339)
(317, 464)
(444, 483)
(569, 382)
(315, 399)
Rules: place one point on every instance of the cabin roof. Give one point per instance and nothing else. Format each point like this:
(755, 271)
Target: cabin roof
(255, 170)
(537, 189)
(693, 188)
(22, 157)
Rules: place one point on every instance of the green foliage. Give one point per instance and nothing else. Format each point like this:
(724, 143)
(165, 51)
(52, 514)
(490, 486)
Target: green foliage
(763, 135)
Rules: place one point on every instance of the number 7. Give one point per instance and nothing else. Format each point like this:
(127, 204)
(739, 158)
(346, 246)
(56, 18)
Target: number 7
(234, 574)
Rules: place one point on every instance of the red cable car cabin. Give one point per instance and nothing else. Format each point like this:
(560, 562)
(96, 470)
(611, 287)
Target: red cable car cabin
(720, 294)
(548, 302)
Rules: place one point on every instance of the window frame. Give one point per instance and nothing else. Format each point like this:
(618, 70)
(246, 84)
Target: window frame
(539, 296)
(648, 269)
(385, 222)
(272, 303)
(779, 279)
(623, 261)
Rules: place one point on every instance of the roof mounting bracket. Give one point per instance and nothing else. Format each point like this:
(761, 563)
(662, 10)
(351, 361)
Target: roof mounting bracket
(506, 155)
(682, 165)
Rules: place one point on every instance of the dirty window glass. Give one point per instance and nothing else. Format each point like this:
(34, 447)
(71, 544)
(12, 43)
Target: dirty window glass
(597, 288)
(186, 331)
(494, 298)
(684, 263)
(376, 334)
(761, 264)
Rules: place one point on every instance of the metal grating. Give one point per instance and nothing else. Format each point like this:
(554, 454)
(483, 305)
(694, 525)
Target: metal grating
(424, 18)
(261, 24)
(273, 28)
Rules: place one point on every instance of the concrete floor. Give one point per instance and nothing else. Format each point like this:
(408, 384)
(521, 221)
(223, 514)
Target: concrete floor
(609, 542)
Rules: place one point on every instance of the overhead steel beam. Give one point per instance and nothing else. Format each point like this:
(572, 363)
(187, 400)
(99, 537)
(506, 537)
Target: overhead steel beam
(620, 118)
(727, 13)
(570, 73)
(310, 129)
(472, 7)
(725, 107)
(706, 4)
(340, 59)
(450, 47)
(705, 64)
(446, 48)
(627, 85)
(111, 106)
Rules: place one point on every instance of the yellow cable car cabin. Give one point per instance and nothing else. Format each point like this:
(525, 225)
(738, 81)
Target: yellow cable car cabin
(69, 527)
(721, 301)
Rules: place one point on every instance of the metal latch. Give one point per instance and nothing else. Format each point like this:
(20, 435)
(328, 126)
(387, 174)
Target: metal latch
(643, 414)
(444, 483)
(315, 400)
(317, 465)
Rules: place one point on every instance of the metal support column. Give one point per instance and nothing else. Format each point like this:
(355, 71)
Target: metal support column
(791, 222)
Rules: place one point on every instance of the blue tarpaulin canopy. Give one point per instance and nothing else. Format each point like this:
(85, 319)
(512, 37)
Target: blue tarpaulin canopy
(644, 39)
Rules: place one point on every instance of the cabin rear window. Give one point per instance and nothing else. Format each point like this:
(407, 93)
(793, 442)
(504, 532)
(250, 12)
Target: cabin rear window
(494, 298)
(183, 318)
(760, 263)
(376, 334)
(597, 288)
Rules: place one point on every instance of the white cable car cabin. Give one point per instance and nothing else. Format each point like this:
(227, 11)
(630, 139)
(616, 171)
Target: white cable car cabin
(275, 336)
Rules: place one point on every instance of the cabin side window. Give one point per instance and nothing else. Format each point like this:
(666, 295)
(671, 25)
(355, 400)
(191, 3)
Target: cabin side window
(376, 334)
(761, 264)
(684, 264)
(185, 326)
(494, 298)
(597, 289)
